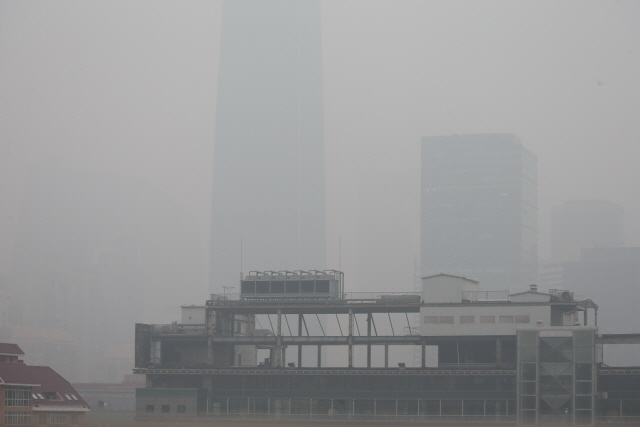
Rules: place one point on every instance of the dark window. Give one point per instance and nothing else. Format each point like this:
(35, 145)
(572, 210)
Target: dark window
(322, 286)
(452, 407)
(262, 287)
(181, 409)
(248, 287)
(306, 287)
(583, 371)
(277, 287)
(292, 287)
(165, 409)
(528, 371)
(150, 408)
(556, 350)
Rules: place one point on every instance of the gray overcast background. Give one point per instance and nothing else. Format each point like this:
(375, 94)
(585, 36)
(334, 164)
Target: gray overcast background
(128, 88)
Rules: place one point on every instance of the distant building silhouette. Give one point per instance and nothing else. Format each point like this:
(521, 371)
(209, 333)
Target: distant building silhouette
(578, 224)
(611, 277)
(92, 252)
(268, 177)
(479, 209)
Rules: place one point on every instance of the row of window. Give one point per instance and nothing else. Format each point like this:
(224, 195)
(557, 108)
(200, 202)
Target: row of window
(17, 419)
(166, 409)
(378, 407)
(23, 419)
(346, 383)
(449, 320)
(17, 396)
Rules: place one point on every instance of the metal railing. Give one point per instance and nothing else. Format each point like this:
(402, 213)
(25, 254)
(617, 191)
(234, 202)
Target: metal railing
(485, 296)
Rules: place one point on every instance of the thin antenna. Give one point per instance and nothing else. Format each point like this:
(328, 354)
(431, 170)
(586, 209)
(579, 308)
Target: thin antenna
(339, 252)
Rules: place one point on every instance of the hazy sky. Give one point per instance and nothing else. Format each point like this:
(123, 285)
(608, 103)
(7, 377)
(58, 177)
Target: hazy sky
(129, 87)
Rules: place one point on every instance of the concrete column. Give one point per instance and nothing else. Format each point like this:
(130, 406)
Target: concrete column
(386, 355)
(319, 356)
(299, 334)
(424, 353)
(368, 345)
(586, 310)
(498, 352)
(209, 326)
(350, 338)
(278, 349)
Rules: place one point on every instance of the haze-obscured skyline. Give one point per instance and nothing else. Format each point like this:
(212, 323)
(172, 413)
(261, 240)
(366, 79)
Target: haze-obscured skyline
(129, 89)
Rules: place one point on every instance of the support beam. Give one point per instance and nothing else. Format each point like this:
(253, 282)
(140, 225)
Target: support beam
(369, 345)
(350, 338)
(284, 355)
(386, 355)
(278, 349)
(586, 310)
(299, 334)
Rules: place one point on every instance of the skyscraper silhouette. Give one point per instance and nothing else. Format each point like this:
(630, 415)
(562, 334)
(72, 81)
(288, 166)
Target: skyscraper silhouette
(479, 209)
(268, 177)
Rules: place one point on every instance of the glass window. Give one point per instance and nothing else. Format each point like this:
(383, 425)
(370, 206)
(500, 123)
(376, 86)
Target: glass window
(17, 396)
(446, 320)
(73, 419)
(181, 409)
(17, 419)
(556, 350)
(505, 319)
(452, 407)
(522, 318)
(528, 388)
(58, 420)
(528, 402)
(584, 338)
(528, 371)
(584, 354)
(166, 409)
(487, 319)
(431, 319)
(583, 371)
(429, 407)
(42, 419)
(583, 402)
(467, 319)
(584, 387)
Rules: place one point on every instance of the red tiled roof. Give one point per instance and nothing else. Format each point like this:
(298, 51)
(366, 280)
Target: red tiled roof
(10, 349)
(16, 373)
(44, 380)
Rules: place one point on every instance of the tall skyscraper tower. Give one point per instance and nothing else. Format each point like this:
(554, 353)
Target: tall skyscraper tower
(268, 178)
(479, 209)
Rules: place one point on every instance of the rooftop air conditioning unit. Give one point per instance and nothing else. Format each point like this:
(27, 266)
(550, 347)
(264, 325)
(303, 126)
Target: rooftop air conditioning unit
(566, 296)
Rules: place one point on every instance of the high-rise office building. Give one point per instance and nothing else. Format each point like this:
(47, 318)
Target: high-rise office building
(268, 178)
(479, 209)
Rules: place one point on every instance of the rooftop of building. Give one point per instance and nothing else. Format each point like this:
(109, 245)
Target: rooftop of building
(8, 349)
(47, 386)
